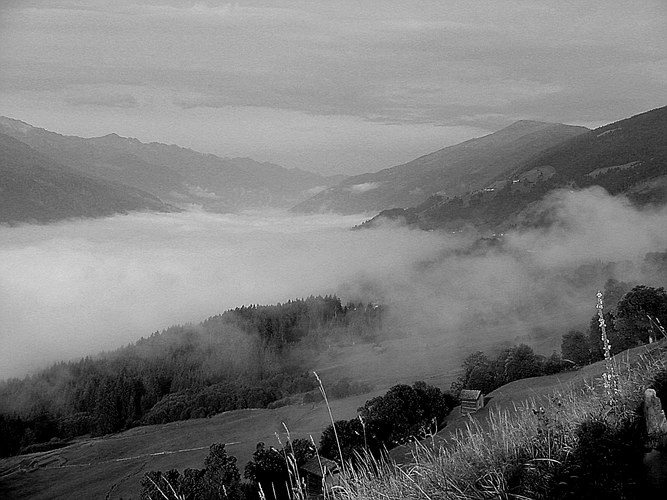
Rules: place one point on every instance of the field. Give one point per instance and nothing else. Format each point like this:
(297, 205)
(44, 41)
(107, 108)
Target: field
(112, 466)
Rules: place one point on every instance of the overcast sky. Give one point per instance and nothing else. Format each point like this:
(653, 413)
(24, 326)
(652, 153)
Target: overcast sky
(330, 86)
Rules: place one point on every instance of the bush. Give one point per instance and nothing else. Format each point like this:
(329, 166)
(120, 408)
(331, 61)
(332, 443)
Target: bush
(403, 413)
(607, 462)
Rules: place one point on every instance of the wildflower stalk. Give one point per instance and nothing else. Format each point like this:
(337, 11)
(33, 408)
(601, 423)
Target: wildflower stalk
(609, 377)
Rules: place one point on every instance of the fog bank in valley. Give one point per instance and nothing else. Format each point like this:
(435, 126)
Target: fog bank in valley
(74, 288)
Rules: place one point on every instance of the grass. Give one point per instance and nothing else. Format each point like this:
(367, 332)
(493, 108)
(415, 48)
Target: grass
(114, 465)
(473, 464)
(535, 450)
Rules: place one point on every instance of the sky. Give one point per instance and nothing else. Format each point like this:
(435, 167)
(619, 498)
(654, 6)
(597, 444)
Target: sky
(329, 86)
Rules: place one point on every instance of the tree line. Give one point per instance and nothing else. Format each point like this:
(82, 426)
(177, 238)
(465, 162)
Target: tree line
(248, 357)
(486, 374)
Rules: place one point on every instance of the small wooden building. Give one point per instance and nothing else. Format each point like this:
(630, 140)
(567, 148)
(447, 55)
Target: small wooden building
(320, 473)
(471, 401)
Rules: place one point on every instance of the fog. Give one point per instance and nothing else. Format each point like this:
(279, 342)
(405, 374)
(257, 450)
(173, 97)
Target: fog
(77, 287)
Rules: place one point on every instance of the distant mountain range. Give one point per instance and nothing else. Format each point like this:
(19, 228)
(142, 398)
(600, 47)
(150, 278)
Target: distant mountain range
(489, 182)
(626, 157)
(178, 176)
(448, 172)
(35, 188)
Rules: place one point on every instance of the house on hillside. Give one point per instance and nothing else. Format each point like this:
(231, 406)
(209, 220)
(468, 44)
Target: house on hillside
(471, 401)
(320, 475)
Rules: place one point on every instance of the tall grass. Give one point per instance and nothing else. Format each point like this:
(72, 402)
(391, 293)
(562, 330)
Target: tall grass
(296, 484)
(333, 423)
(528, 452)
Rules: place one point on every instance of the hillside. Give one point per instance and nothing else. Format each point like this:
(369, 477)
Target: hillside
(626, 157)
(34, 188)
(112, 466)
(450, 171)
(178, 176)
(187, 372)
(510, 396)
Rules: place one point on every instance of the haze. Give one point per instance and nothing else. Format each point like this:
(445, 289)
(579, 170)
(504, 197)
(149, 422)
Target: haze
(337, 86)
(77, 287)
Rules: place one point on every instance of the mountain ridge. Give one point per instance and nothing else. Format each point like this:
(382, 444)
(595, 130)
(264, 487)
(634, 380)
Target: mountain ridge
(624, 157)
(451, 170)
(34, 188)
(177, 175)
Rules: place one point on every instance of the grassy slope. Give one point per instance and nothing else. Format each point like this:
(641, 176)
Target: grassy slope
(114, 465)
(511, 395)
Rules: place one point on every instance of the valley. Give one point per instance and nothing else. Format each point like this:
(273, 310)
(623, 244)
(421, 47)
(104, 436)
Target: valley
(344, 250)
(552, 214)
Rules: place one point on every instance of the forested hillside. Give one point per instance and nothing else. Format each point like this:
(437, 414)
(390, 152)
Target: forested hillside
(451, 171)
(626, 157)
(249, 357)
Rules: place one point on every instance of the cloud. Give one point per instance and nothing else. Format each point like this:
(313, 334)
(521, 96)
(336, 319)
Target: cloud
(591, 223)
(394, 64)
(201, 192)
(363, 187)
(105, 100)
(415, 66)
(74, 288)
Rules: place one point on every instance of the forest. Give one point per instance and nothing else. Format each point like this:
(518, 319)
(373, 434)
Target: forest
(249, 357)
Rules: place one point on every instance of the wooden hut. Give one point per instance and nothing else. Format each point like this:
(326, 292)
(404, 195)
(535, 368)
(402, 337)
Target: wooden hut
(471, 401)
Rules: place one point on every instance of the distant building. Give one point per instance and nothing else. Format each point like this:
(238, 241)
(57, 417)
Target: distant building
(320, 473)
(471, 401)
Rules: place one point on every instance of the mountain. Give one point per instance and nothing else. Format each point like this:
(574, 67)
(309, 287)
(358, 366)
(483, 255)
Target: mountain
(35, 188)
(176, 175)
(450, 171)
(626, 157)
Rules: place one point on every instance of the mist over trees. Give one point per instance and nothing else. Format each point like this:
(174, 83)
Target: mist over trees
(248, 357)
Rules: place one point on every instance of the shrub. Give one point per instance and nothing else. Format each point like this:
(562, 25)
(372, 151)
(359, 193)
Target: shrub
(607, 461)
(403, 413)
